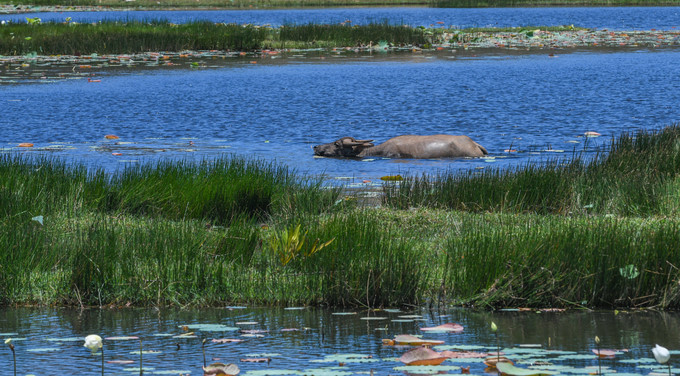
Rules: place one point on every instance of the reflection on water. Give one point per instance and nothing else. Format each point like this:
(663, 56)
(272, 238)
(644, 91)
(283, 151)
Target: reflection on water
(537, 105)
(50, 341)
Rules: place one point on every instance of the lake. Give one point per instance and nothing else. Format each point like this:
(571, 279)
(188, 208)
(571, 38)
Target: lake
(535, 104)
(614, 18)
(308, 341)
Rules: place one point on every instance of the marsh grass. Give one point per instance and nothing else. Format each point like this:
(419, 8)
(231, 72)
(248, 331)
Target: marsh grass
(178, 233)
(556, 261)
(635, 177)
(113, 37)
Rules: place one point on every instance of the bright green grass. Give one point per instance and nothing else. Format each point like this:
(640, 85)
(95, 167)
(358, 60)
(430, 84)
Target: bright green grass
(598, 234)
(636, 177)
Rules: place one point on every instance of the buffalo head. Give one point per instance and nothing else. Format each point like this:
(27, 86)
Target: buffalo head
(344, 147)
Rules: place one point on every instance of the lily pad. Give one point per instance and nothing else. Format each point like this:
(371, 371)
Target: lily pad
(426, 369)
(448, 327)
(511, 370)
(346, 358)
(422, 356)
(211, 327)
(43, 349)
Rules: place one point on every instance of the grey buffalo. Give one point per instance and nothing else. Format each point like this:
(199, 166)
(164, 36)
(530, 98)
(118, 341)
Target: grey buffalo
(422, 147)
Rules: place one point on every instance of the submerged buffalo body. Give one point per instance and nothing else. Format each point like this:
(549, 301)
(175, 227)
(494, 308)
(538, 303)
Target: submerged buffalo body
(423, 147)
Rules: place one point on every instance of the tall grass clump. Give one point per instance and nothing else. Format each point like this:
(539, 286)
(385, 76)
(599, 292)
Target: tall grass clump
(217, 190)
(352, 35)
(553, 261)
(110, 37)
(635, 177)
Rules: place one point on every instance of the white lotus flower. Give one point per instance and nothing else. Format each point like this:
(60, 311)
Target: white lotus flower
(661, 354)
(93, 342)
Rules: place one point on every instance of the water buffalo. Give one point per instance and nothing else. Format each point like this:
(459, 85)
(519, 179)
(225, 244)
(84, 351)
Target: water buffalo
(422, 147)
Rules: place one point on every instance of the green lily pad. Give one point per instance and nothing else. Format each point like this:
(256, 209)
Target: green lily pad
(426, 369)
(211, 327)
(511, 370)
(343, 313)
(346, 358)
(69, 339)
(43, 349)
(271, 372)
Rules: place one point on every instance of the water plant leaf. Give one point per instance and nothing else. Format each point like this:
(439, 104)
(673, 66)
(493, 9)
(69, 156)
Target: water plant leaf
(449, 327)
(407, 339)
(425, 370)
(392, 178)
(343, 313)
(602, 353)
(463, 354)
(211, 327)
(121, 338)
(511, 370)
(373, 318)
(42, 349)
(221, 369)
(247, 323)
(226, 340)
(629, 272)
(346, 358)
(120, 361)
(422, 356)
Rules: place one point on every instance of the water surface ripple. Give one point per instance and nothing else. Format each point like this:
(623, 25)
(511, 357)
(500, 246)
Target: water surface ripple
(537, 104)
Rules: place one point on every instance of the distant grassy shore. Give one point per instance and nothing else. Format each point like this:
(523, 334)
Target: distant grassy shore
(573, 233)
(73, 39)
(25, 5)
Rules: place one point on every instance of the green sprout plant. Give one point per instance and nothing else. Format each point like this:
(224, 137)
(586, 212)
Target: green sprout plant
(290, 244)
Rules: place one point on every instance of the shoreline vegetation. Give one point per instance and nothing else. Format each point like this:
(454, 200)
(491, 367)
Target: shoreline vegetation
(14, 6)
(572, 233)
(69, 39)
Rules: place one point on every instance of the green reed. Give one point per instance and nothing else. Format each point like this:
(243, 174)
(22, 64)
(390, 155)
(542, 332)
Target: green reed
(352, 35)
(217, 190)
(70, 38)
(543, 261)
(601, 233)
(635, 177)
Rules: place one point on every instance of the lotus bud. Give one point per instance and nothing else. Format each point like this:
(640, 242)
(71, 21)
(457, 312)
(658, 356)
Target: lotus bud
(661, 354)
(597, 340)
(494, 328)
(93, 342)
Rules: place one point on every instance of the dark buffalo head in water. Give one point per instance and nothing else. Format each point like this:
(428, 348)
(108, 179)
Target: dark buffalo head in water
(347, 147)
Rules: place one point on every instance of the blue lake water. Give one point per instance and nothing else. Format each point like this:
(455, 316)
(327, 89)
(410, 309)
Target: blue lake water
(613, 18)
(536, 104)
(311, 341)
